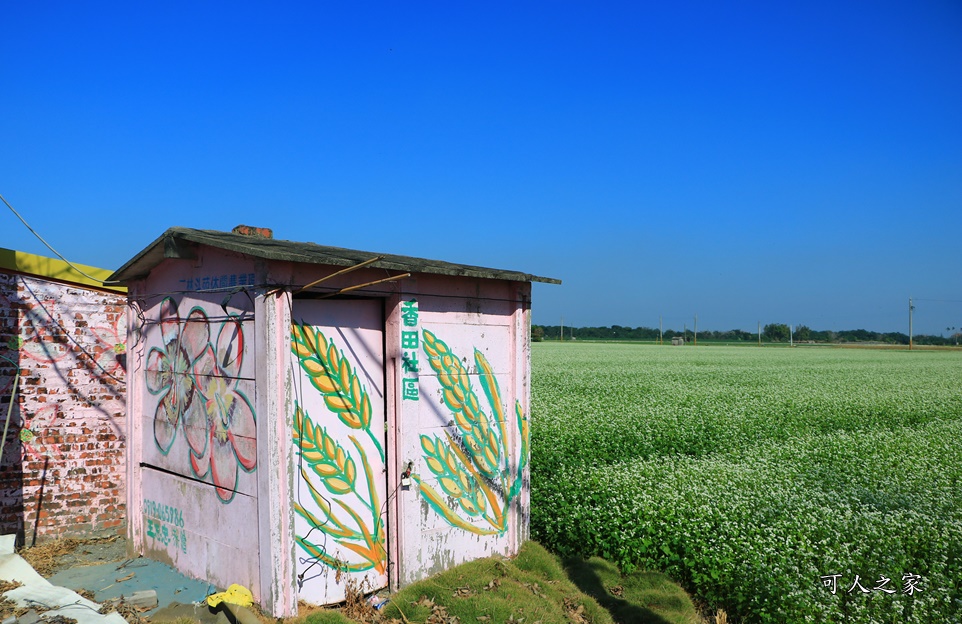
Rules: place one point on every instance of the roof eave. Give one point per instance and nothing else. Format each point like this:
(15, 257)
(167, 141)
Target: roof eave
(179, 242)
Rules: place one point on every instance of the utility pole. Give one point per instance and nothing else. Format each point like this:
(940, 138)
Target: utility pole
(791, 336)
(661, 328)
(911, 307)
(562, 336)
(696, 330)
(684, 332)
(759, 333)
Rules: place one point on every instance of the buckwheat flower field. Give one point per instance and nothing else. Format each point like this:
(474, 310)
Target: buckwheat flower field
(783, 485)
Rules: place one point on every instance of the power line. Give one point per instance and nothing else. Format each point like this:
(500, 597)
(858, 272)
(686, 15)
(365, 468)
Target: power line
(40, 238)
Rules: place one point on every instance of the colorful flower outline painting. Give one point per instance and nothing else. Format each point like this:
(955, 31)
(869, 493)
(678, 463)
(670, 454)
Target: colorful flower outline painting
(38, 433)
(109, 354)
(197, 385)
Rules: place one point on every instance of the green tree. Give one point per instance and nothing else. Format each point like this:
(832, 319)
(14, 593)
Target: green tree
(537, 333)
(776, 332)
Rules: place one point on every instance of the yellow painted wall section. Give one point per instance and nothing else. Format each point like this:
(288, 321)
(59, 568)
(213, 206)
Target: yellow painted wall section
(55, 269)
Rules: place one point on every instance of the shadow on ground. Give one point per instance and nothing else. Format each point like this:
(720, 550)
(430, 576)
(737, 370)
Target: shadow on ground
(622, 596)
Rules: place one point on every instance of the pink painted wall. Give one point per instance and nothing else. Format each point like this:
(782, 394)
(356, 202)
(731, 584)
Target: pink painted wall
(458, 507)
(287, 493)
(478, 506)
(63, 462)
(193, 420)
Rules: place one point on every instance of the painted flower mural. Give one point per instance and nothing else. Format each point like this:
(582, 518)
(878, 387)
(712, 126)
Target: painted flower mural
(111, 346)
(197, 382)
(220, 428)
(169, 367)
(42, 335)
(39, 435)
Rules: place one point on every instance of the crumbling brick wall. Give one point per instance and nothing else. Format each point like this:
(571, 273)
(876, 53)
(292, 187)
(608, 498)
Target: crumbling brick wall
(62, 467)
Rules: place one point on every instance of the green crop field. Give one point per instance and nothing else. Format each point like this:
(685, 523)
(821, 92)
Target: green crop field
(761, 479)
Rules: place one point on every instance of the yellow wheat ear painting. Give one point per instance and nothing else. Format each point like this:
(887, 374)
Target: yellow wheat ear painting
(474, 467)
(327, 462)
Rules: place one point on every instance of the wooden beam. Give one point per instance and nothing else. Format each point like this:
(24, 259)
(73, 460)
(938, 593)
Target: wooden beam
(341, 272)
(380, 281)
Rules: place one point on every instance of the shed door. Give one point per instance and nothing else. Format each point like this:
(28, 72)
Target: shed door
(340, 520)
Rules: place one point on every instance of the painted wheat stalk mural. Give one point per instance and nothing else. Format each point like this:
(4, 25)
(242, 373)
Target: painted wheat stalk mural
(474, 467)
(327, 463)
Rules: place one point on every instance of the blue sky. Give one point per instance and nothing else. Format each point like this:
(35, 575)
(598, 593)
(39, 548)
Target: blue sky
(745, 162)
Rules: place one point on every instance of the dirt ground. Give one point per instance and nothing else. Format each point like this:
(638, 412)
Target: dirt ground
(100, 569)
(92, 552)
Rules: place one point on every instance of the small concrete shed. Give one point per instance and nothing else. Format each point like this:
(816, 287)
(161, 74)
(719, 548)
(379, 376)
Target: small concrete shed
(302, 417)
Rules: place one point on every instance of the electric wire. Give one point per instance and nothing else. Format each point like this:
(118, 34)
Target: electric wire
(48, 246)
(69, 336)
(298, 385)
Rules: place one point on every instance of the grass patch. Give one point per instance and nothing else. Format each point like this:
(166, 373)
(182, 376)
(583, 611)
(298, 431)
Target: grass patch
(639, 597)
(327, 616)
(535, 587)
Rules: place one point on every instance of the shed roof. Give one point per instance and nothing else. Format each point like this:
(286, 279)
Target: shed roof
(177, 241)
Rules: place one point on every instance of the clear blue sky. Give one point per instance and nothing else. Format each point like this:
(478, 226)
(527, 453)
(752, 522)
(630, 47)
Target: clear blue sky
(766, 161)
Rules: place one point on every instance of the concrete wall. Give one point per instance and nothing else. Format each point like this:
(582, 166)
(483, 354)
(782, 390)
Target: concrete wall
(193, 420)
(307, 496)
(467, 432)
(456, 396)
(63, 462)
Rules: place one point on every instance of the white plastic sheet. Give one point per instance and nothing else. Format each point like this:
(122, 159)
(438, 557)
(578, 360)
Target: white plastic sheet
(37, 592)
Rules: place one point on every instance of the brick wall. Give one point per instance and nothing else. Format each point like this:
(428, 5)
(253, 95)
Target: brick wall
(62, 469)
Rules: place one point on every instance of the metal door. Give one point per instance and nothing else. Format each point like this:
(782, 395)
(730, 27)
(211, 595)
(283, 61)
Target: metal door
(340, 522)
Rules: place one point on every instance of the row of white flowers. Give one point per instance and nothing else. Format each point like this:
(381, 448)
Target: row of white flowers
(755, 476)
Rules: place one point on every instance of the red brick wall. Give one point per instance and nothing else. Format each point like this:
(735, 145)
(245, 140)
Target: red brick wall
(63, 467)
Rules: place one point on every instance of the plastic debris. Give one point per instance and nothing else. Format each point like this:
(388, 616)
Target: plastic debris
(30, 617)
(143, 600)
(235, 594)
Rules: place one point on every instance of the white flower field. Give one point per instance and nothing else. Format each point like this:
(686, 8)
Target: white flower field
(783, 485)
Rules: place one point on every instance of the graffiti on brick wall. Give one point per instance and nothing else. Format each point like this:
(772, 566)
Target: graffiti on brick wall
(165, 524)
(353, 521)
(195, 376)
(52, 328)
(38, 433)
(68, 344)
(110, 350)
(49, 332)
(472, 464)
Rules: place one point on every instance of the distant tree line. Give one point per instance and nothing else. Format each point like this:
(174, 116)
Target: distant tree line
(773, 332)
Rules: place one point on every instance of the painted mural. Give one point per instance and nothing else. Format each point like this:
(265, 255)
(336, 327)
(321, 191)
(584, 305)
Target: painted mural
(195, 376)
(68, 344)
(344, 504)
(472, 464)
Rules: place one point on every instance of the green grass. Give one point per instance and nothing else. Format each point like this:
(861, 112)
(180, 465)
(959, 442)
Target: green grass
(536, 587)
(329, 616)
(644, 597)
(748, 474)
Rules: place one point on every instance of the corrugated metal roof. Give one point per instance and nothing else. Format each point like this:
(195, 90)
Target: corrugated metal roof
(176, 241)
